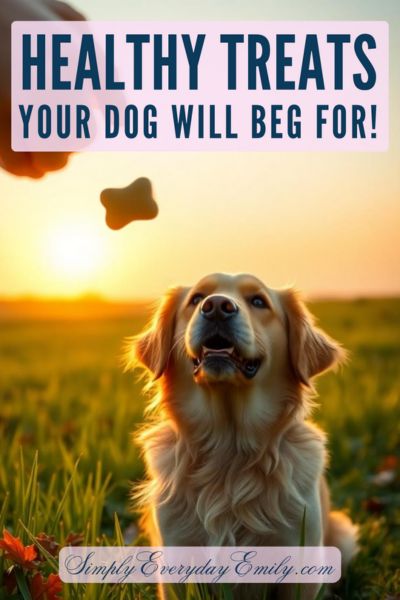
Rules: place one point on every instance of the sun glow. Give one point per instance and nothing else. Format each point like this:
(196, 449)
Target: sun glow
(75, 250)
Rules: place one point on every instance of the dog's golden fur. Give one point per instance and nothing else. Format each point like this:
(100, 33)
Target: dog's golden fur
(233, 460)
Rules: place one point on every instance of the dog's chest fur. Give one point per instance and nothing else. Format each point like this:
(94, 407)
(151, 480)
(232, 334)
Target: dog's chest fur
(220, 495)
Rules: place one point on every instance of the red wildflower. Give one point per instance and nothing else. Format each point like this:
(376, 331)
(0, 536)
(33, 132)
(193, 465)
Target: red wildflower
(45, 590)
(54, 587)
(37, 587)
(49, 543)
(389, 463)
(373, 505)
(74, 539)
(15, 551)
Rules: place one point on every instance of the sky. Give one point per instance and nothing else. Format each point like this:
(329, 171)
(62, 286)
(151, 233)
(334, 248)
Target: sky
(327, 223)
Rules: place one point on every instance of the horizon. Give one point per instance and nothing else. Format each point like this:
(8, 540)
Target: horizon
(99, 298)
(95, 308)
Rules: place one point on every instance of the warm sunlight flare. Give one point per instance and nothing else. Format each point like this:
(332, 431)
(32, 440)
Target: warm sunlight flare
(75, 250)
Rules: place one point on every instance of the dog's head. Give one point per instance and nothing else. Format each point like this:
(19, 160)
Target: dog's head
(232, 330)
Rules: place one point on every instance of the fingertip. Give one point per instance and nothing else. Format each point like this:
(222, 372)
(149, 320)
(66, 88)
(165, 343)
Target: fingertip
(20, 165)
(67, 12)
(50, 161)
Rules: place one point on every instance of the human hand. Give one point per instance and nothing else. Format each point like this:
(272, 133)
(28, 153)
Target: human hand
(28, 164)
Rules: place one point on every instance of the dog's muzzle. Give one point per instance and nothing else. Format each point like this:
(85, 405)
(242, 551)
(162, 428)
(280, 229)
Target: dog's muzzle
(220, 352)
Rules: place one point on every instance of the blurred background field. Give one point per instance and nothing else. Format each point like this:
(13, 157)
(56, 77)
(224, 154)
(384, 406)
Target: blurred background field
(64, 394)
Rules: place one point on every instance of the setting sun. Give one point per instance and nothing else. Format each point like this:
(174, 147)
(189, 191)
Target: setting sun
(75, 250)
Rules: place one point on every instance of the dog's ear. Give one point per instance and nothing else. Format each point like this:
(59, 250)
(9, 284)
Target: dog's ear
(152, 348)
(311, 351)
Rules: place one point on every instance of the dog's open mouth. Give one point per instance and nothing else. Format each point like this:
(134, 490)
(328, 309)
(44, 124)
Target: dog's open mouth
(218, 349)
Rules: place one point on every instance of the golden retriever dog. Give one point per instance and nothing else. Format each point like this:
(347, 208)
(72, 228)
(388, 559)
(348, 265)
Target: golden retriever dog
(231, 457)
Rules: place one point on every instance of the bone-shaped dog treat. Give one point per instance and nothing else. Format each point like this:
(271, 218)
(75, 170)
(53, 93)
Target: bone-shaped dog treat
(132, 203)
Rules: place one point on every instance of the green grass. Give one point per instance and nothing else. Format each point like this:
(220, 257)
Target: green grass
(64, 395)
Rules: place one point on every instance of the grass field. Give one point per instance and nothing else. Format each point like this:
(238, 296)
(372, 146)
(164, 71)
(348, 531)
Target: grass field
(65, 397)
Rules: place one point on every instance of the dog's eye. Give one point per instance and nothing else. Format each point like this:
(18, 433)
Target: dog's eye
(259, 302)
(196, 298)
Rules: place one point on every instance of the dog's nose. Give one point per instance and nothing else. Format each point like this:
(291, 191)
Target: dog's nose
(218, 308)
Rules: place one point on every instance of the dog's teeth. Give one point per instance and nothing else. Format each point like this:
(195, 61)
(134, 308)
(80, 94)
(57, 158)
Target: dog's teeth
(219, 351)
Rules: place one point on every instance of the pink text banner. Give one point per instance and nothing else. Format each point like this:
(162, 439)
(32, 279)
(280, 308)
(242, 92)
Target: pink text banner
(200, 86)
